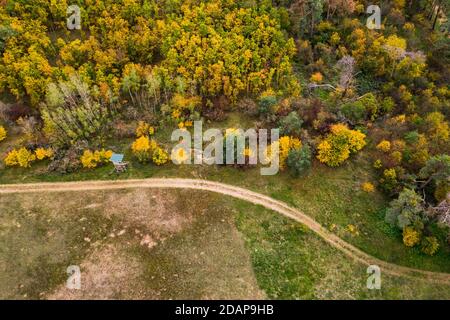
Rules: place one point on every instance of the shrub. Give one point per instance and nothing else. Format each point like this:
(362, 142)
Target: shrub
(316, 77)
(417, 154)
(378, 164)
(291, 124)
(11, 158)
(284, 145)
(123, 129)
(438, 129)
(299, 160)
(144, 129)
(88, 159)
(409, 26)
(335, 39)
(248, 106)
(412, 137)
(212, 112)
(387, 105)
(384, 146)
(146, 149)
(91, 159)
(400, 119)
(411, 237)
(359, 110)
(3, 133)
(160, 156)
(442, 190)
(353, 230)
(266, 104)
(429, 245)
(29, 128)
(368, 187)
(407, 211)
(22, 158)
(371, 104)
(397, 157)
(389, 180)
(67, 161)
(42, 153)
(142, 148)
(339, 144)
(436, 169)
(355, 112)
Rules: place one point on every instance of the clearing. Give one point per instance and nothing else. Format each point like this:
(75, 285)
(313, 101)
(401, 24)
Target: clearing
(175, 244)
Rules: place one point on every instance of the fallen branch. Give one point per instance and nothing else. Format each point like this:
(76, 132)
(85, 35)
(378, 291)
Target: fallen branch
(315, 86)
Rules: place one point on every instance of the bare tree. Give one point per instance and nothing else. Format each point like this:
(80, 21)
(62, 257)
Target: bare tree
(346, 67)
(442, 211)
(343, 7)
(347, 73)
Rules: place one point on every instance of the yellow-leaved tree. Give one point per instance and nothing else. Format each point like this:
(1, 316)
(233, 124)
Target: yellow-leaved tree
(20, 157)
(3, 133)
(143, 148)
(146, 149)
(91, 159)
(284, 145)
(42, 153)
(339, 144)
(411, 237)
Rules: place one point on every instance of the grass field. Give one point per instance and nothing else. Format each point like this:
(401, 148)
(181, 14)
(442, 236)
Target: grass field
(332, 196)
(161, 244)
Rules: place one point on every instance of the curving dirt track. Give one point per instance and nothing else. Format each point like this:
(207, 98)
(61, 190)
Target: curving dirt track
(240, 193)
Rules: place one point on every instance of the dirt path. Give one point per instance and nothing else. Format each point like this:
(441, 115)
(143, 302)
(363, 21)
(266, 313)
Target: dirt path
(240, 193)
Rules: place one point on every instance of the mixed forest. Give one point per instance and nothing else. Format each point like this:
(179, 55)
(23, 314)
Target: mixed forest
(312, 68)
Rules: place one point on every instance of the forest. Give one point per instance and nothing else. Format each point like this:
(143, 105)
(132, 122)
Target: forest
(312, 68)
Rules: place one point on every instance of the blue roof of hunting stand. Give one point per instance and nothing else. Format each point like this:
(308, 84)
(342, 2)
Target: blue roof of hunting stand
(116, 158)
